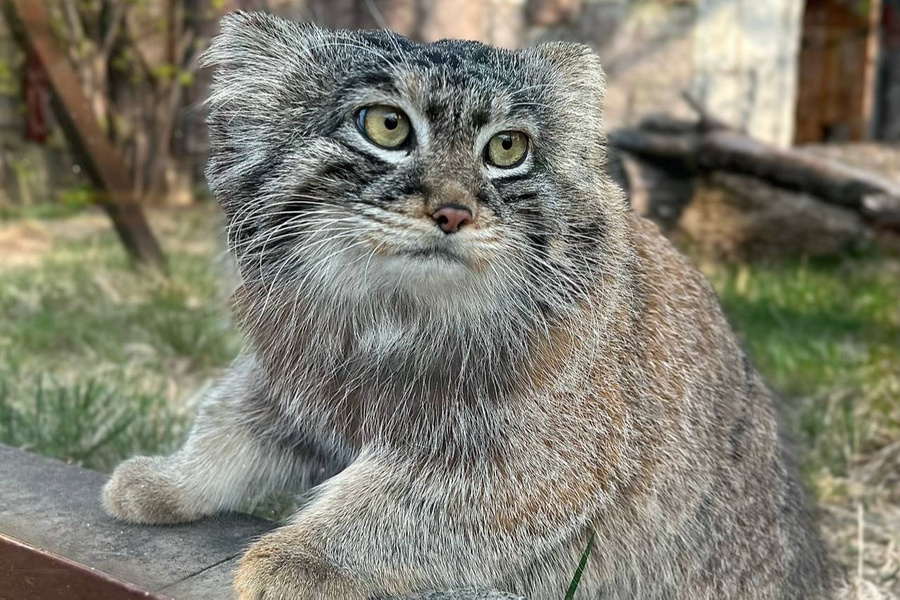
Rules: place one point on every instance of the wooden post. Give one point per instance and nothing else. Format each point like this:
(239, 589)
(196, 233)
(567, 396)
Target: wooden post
(103, 165)
(870, 73)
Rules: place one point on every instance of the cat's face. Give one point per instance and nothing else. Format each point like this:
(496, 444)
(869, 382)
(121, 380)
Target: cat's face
(360, 165)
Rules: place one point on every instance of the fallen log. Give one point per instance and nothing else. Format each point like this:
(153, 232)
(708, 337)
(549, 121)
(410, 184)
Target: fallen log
(689, 148)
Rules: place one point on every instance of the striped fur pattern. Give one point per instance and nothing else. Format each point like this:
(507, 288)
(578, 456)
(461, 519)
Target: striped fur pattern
(464, 411)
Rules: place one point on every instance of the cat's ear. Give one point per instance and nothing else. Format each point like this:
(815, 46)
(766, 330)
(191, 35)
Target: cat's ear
(578, 68)
(262, 66)
(255, 39)
(254, 52)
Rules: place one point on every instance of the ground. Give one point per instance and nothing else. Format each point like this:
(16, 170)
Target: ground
(99, 362)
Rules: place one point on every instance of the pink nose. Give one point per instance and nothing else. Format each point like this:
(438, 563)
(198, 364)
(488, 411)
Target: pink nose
(452, 217)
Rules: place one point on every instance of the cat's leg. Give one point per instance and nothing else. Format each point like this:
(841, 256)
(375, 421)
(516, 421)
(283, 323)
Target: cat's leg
(225, 461)
(384, 528)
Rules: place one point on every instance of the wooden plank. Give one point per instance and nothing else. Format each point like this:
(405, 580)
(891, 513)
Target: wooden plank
(102, 164)
(56, 507)
(29, 572)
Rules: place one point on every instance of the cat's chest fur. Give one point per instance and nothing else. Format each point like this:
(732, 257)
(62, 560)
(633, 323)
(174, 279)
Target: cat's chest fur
(355, 382)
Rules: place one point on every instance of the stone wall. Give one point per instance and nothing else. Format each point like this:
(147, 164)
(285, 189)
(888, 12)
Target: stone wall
(745, 60)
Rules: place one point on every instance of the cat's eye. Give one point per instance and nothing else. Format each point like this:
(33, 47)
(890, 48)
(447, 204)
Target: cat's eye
(383, 125)
(507, 149)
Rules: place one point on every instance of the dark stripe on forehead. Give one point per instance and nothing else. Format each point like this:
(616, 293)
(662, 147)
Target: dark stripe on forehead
(386, 41)
(378, 79)
(434, 112)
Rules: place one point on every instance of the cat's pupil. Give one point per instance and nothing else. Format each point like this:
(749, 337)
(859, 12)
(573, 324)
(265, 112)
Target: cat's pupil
(506, 143)
(391, 122)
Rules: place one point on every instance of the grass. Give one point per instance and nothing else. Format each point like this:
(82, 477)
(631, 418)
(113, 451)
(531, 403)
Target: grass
(98, 363)
(86, 422)
(582, 563)
(826, 334)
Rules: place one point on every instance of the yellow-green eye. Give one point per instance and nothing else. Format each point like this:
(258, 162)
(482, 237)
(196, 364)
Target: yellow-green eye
(507, 149)
(385, 126)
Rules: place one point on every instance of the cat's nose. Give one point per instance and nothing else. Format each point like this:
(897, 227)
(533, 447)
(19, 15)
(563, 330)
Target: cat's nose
(452, 217)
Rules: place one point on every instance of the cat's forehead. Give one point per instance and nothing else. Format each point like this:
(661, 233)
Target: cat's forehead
(450, 80)
(459, 60)
(447, 71)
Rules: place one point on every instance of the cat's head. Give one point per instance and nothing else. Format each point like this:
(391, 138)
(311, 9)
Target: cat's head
(358, 166)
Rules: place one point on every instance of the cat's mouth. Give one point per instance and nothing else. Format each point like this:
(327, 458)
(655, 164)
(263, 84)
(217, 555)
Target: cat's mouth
(432, 253)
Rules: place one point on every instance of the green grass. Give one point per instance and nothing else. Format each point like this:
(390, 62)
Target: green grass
(91, 422)
(87, 305)
(582, 563)
(826, 335)
(99, 362)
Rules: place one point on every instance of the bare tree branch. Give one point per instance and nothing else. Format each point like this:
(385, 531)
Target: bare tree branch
(183, 50)
(707, 121)
(115, 25)
(75, 24)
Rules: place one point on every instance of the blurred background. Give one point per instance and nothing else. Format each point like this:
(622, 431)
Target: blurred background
(763, 136)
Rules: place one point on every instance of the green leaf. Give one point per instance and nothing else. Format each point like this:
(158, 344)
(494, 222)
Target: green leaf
(576, 579)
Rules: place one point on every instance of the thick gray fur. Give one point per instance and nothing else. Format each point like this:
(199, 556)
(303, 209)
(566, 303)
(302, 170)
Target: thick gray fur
(466, 410)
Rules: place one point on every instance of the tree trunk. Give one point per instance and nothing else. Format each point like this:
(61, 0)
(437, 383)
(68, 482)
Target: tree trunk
(85, 136)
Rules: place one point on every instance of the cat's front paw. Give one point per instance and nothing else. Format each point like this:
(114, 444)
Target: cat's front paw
(141, 491)
(275, 568)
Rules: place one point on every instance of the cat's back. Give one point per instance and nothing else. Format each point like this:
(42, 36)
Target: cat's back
(689, 446)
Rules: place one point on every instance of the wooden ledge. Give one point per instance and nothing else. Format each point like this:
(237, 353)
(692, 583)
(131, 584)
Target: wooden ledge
(53, 522)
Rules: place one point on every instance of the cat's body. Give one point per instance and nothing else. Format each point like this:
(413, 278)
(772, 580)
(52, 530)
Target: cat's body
(472, 403)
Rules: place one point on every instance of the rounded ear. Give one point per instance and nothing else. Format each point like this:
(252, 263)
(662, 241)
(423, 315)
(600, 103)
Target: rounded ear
(578, 67)
(261, 65)
(248, 37)
(578, 86)
(252, 54)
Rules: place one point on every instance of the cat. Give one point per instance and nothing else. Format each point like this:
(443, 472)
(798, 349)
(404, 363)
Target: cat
(463, 346)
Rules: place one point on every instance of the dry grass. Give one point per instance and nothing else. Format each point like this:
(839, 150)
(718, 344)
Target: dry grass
(98, 362)
(826, 334)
